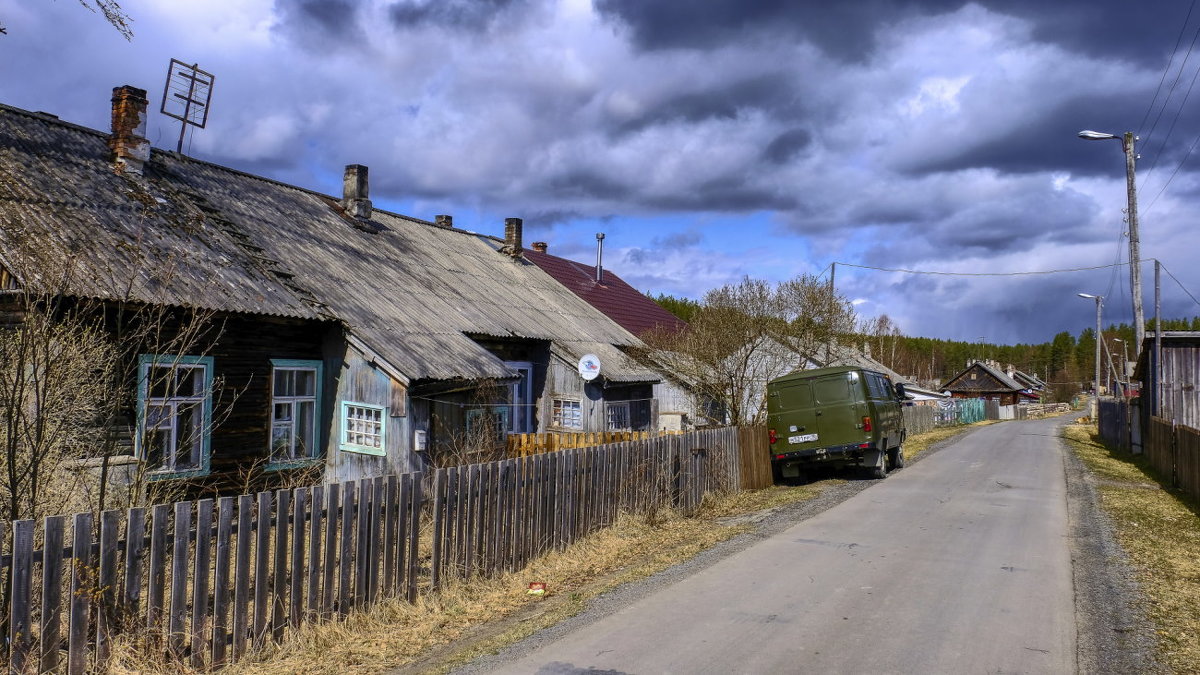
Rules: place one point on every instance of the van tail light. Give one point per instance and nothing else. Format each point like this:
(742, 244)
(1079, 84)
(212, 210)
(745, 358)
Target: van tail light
(771, 435)
(866, 423)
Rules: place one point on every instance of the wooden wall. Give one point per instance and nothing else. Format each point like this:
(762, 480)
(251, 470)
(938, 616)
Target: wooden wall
(359, 381)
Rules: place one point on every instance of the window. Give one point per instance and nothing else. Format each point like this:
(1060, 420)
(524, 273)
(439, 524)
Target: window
(363, 428)
(174, 413)
(493, 420)
(295, 410)
(520, 396)
(618, 416)
(566, 413)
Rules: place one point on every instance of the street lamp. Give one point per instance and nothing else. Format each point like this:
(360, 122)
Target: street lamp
(1099, 303)
(1135, 267)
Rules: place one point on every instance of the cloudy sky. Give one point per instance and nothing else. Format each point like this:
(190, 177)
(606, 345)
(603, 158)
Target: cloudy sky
(708, 140)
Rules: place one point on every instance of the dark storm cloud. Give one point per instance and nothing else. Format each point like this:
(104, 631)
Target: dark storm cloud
(726, 193)
(1050, 142)
(472, 15)
(323, 22)
(584, 184)
(772, 92)
(784, 147)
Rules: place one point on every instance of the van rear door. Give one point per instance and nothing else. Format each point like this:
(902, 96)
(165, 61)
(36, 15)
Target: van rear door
(795, 420)
(838, 400)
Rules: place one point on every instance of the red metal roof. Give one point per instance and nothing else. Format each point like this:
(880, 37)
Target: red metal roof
(618, 300)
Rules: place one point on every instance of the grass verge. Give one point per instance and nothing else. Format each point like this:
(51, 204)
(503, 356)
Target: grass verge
(1160, 531)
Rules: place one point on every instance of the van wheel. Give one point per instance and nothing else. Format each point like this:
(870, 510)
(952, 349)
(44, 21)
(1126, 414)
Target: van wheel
(880, 469)
(896, 457)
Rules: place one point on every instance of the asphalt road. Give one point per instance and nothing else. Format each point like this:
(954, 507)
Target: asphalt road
(957, 564)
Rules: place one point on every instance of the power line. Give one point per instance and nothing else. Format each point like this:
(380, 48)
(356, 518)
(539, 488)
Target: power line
(1174, 84)
(1180, 283)
(1178, 40)
(982, 274)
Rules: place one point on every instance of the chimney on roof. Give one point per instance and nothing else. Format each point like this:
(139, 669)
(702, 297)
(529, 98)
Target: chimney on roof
(599, 257)
(130, 149)
(512, 237)
(540, 246)
(443, 220)
(355, 189)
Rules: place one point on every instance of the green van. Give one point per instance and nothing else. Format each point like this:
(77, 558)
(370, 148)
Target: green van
(840, 416)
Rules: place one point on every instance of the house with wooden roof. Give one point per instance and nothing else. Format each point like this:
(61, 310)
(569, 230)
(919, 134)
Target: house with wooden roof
(344, 336)
(986, 380)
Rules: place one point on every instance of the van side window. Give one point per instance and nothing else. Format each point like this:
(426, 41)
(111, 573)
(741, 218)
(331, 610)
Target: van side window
(877, 386)
(831, 389)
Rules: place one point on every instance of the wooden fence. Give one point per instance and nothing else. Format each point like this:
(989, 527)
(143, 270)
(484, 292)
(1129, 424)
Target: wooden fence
(1174, 451)
(523, 445)
(205, 581)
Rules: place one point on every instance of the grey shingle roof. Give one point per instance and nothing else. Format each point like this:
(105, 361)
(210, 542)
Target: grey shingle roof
(409, 289)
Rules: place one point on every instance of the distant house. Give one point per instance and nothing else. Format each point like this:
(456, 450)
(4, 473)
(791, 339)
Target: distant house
(986, 380)
(355, 339)
(1171, 391)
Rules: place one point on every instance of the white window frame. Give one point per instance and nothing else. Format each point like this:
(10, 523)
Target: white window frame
(562, 409)
(350, 438)
(293, 424)
(201, 450)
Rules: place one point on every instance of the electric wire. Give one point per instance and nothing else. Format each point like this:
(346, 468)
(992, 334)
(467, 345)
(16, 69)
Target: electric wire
(1174, 83)
(1162, 146)
(1167, 69)
(984, 274)
(1173, 173)
(1177, 281)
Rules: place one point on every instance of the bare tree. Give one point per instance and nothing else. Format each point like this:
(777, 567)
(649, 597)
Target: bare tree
(745, 334)
(112, 12)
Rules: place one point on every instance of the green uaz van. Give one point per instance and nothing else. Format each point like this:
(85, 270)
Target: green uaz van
(841, 416)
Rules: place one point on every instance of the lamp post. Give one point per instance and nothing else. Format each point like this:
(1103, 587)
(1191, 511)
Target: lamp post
(1099, 303)
(1135, 268)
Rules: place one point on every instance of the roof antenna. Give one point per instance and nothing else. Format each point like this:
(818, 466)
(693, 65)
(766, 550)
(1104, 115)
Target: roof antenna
(599, 257)
(188, 91)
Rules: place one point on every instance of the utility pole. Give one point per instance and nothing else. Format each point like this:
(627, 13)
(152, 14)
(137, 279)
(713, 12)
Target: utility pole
(1135, 258)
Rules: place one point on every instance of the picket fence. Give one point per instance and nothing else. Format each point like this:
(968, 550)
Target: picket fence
(206, 581)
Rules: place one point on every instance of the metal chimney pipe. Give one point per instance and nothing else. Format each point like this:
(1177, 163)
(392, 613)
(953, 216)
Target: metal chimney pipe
(599, 257)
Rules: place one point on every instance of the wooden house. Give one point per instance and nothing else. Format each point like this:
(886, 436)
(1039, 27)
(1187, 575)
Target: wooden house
(986, 380)
(356, 339)
(667, 404)
(1170, 390)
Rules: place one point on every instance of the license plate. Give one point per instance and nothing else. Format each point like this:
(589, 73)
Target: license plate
(803, 438)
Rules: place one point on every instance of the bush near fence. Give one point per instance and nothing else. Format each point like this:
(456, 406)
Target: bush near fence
(204, 581)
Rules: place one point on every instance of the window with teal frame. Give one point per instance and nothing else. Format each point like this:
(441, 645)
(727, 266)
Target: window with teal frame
(295, 412)
(174, 414)
(363, 428)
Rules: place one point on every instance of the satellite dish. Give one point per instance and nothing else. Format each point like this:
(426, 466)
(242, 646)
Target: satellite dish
(589, 367)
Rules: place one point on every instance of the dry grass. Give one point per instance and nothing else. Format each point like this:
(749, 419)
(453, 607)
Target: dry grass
(1161, 533)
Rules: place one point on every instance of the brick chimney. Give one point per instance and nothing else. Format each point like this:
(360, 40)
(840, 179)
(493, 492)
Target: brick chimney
(443, 220)
(512, 237)
(355, 190)
(130, 149)
(540, 246)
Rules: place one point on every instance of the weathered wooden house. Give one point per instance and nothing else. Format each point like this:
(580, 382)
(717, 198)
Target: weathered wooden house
(345, 336)
(986, 380)
(668, 403)
(1170, 390)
